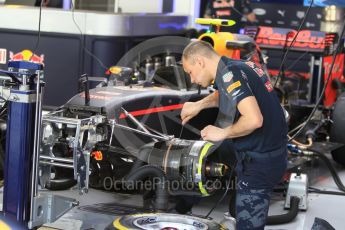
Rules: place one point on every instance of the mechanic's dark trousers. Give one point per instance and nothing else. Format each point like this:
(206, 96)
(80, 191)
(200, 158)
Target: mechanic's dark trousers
(257, 174)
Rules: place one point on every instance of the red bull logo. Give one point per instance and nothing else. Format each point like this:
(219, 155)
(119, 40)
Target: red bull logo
(307, 40)
(27, 55)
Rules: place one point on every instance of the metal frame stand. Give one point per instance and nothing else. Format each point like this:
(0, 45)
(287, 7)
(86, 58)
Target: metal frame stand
(22, 202)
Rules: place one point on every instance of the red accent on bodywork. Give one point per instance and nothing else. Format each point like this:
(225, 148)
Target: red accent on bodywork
(337, 73)
(152, 110)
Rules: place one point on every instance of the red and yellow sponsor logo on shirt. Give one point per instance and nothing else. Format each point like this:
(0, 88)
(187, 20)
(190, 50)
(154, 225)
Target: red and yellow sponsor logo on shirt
(233, 86)
(269, 86)
(259, 71)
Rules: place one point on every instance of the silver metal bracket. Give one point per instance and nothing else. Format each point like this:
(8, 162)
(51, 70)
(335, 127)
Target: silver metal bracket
(81, 140)
(47, 208)
(298, 186)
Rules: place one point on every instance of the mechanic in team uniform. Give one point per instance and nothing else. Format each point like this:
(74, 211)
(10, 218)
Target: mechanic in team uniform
(236, 10)
(251, 116)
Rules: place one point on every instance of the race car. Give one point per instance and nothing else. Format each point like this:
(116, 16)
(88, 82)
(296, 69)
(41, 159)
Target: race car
(152, 106)
(131, 119)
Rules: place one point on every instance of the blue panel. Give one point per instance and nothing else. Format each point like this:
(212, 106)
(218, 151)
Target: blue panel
(25, 65)
(19, 151)
(325, 3)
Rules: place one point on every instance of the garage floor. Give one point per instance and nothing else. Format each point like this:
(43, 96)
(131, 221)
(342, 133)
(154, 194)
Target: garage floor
(328, 207)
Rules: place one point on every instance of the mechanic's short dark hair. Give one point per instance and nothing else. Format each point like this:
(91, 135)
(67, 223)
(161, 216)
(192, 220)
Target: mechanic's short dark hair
(198, 47)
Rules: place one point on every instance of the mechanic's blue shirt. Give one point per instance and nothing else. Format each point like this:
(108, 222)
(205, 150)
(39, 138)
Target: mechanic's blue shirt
(238, 79)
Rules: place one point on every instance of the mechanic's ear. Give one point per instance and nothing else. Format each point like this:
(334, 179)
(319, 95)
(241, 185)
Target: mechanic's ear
(200, 61)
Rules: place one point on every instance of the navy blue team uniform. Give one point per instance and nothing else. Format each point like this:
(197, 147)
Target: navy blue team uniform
(261, 155)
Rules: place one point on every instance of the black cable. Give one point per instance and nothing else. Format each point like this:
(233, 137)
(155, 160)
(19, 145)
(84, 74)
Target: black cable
(225, 193)
(329, 165)
(319, 191)
(296, 61)
(60, 184)
(287, 217)
(237, 11)
(83, 43)
(11, 75)
(338, 48)
(161, 191)
(282, 76)
(327, 192)
(2, 99)
(292, 42)
(39, 32)
(3, 109)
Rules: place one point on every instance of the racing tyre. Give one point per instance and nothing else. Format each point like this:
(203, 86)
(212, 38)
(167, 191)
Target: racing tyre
(164, 221)
(337, 133)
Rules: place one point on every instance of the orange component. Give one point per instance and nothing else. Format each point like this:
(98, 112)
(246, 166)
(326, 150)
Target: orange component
(98, 155)
(218, 41)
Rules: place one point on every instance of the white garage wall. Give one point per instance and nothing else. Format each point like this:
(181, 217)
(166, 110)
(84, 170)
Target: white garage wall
(188, 7)
(141, 6)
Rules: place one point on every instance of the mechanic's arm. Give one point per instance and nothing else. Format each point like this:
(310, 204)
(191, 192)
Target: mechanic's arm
(250, 119)
(191, 109)
(238, 92)
(210, 101)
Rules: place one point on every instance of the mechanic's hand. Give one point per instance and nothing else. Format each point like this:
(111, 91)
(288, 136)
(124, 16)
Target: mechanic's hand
(189, 110)
(213, 133)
